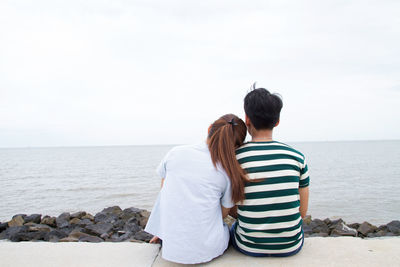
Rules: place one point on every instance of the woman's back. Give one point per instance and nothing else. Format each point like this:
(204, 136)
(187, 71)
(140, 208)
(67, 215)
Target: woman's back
(187, 214)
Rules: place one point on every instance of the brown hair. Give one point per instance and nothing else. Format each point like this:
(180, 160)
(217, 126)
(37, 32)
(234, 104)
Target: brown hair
(225, 135)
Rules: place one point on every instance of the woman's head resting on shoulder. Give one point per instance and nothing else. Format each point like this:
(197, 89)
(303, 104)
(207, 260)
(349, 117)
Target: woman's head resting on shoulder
(224, 136)
(229, 127)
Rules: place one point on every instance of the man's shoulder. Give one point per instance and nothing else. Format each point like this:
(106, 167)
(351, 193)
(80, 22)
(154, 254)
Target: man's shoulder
(272, 146)
(291, 148)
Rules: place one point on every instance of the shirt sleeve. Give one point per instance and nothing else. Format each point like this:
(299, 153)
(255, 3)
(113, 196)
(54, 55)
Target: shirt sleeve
(226, 199)
(304, 175)
(162, 167)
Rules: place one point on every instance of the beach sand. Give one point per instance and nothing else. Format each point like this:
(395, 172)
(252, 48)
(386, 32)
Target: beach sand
(317, 251)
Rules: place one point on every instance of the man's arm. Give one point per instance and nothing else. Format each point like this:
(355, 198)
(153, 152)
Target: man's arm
(303, 191)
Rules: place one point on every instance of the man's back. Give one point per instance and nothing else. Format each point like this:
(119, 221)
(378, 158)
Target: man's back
(269, 220)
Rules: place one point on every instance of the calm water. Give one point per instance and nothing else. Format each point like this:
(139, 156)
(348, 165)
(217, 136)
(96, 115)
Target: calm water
(356, 181)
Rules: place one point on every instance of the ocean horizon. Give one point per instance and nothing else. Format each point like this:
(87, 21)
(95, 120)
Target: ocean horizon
(172, 145)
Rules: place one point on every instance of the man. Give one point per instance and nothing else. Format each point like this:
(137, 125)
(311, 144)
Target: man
(269, 220)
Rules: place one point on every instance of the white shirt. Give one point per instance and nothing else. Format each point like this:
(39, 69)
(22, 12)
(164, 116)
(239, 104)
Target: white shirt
(187, 214)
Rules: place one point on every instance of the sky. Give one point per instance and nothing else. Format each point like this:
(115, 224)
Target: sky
(83, 73)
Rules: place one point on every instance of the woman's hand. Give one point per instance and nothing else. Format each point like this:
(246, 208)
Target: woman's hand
(154, 240)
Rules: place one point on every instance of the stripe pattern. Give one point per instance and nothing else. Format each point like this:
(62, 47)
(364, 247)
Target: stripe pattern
(269, 220)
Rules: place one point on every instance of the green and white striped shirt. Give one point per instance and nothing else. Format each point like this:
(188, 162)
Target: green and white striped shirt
(269, 220)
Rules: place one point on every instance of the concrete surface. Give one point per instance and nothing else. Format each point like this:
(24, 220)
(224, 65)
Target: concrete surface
(317, 251)
(76, 254)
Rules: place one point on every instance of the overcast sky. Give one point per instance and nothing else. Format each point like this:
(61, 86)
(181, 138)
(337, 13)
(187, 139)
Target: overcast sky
(159, 72)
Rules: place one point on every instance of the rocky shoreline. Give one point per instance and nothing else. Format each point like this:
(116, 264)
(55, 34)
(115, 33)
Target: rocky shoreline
(111, 225)
(334, 228)
(116, 225)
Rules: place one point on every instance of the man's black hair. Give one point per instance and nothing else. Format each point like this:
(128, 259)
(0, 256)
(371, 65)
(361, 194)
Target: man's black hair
(262, 108)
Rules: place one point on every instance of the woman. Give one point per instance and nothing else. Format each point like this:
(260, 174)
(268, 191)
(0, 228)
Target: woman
(200, 183)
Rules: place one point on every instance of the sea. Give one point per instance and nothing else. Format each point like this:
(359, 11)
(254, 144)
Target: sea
(356, 180)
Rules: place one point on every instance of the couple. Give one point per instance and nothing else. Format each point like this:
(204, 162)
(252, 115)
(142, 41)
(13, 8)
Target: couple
(262, 183)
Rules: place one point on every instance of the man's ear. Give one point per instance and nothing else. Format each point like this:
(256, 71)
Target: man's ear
(277, 123)
(247, 121)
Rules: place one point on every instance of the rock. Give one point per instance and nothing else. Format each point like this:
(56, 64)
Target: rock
(133, 220)
(143, 221)
(118, 225)
(11, 231)
(354, 225)
(21, 214)
(35, 218)
(365, 228)
(75, 221)
(67, 230)
(92, 239)
(381, 233)
(307, 219)
(88, 216)
(78, 214)
(105, 236)
(99, 228)
(327, 221)
(17, 220)
(78, 234)
(28, 236)
(382, 228)
(39, 227)
(319, 226)
(50, 221)
(63, 220)
(85, 222)
(55, 236)
(307, 230)
(145, 213)
(53, 239)
(113, 210)
(132, 226)
(333, 224)
(394, 227)
(3, 226)
(124, 237)
(105, 217)
(113, 238)
(341, 229)
(370, 235)
(128, 213)
(68, 239)
(319, 235)
(143, 236)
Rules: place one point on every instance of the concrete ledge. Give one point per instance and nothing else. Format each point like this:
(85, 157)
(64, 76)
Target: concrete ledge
(77, 254)
(317, 251)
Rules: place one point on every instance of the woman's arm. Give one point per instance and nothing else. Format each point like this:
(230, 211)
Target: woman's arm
(233, 212)
(303, 201)
(156, 239)
(225, 211)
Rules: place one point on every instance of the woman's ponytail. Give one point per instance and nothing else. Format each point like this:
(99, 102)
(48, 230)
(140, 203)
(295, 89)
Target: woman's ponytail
(225, 135)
